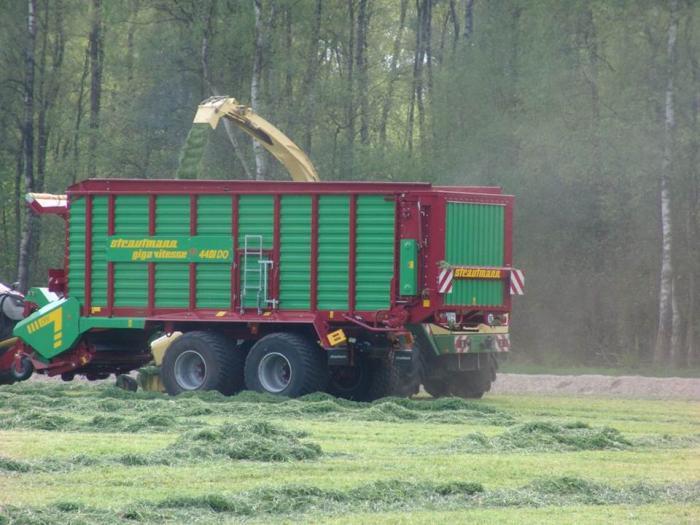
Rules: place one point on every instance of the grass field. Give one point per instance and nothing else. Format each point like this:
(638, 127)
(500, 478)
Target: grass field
(86, 454)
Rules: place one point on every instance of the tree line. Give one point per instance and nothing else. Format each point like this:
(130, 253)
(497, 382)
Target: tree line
(585, 110)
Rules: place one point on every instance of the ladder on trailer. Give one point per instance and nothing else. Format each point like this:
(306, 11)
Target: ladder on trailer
(255, 273)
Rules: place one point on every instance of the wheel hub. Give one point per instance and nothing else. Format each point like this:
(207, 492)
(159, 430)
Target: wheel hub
(274, 372)
(190, 370)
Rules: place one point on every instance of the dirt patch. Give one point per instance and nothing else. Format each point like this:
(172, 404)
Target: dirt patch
(634, 387)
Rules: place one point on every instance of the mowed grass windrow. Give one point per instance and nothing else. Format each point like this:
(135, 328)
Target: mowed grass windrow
(86, 453)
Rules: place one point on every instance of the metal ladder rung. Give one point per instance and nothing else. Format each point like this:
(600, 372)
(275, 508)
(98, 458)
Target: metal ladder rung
(253, 247)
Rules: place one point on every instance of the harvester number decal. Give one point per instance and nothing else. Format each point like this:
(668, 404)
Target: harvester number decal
(55, 317)
(214, 254)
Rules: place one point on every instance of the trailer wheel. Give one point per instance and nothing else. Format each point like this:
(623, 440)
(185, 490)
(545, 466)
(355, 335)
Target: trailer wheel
(351, 382)
(202, 361)
(24, 371)
(473, 384)
(287, 365)
(388, 379)
(436, 387)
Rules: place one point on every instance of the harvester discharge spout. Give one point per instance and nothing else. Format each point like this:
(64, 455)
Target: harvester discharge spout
(213, 109)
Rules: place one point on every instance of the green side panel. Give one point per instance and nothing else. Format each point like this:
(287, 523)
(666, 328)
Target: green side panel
(88, 323)
(295, 252)
(52, 329)
(172, 289)
(333, 252)
(255, 217)
(76, 249)
(131, 279)
(98, 295)
(214, 279)
(374, 258)
(408, 267)
(475, 237)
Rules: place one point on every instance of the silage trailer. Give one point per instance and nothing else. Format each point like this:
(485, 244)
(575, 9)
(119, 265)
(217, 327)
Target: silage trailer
(357, 288)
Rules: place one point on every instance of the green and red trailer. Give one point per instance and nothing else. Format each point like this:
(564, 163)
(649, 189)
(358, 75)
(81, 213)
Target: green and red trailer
(357, 288)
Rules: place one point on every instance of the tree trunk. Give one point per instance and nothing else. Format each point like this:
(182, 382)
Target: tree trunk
(79, 116)
(42, 100)
(288, 100)
(362, 75)
(665, 336)
(255, 86)
(425, 101)
(19, 173)
(690, 328)
(693, 229)
(25, 255)
(455, 26)
(96, 54)
(424, 20)
(393, 75)
(469, 20)
(416, 89)
(206, 74)
(348, 157)
(310, 77)
(134, 6)
(49, 84)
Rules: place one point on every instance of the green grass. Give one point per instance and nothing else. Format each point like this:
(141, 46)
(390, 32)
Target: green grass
(79, 453)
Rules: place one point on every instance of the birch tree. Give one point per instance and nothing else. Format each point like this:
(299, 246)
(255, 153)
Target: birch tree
(255, 86)
(668, 326)
(28, 147)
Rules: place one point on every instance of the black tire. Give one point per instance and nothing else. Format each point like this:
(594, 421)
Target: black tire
(126, 382)
(436, 387)
(202, 361)
(286, 364)
(13, 375)
(411, 377)
(351, 382)
(388, 379)
(474, 384)
(384, 378)
(468, 388)
(25, 370)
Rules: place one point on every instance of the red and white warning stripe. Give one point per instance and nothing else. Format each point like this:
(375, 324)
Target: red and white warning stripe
(462, 344)
(517, 282)
(445, 280)
(502, 343)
